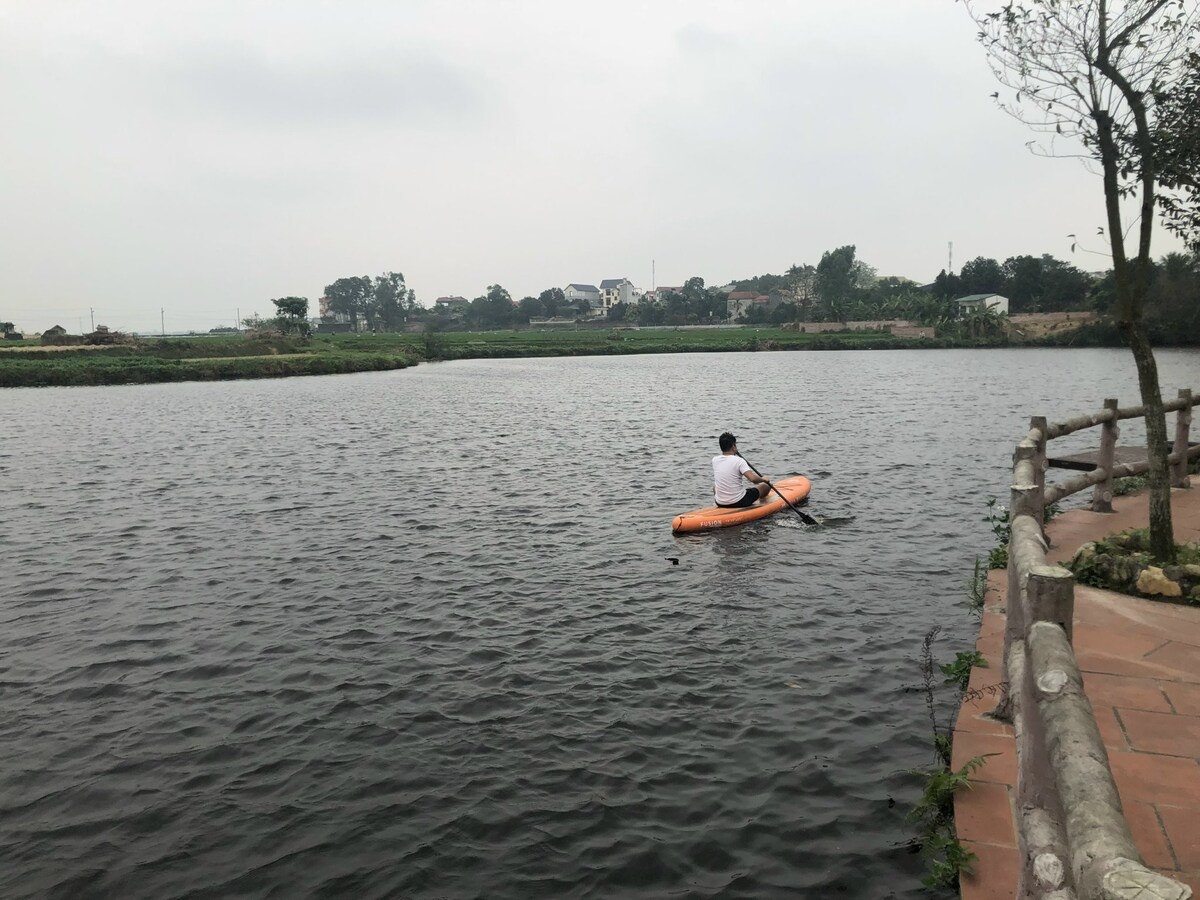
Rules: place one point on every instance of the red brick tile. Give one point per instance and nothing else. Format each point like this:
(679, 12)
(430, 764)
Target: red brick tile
(974, 715)
(995, 611)
(1001, 768)
(1112, 642)
(994, 620)
(1168, 733)
(1183, 831)
(1111, 731)
(1152, 778)
(1184, 697)
(983, 724)
(984, 813)
(1125, 692)
(1092, 661)
(985, 677)
(995, 873)
(1179, 623)
(1148, 835)
(1184, 657)
(991, 648)
(1120, 613)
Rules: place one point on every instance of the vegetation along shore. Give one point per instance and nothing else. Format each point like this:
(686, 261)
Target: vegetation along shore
(841, 303)
(226, 357)
(30, 363)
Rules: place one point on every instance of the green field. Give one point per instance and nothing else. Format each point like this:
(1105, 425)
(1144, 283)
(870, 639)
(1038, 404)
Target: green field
(608, 341)
(221, 357)
(189, 359)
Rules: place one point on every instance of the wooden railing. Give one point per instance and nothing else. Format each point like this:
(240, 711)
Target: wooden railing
(1075, 841)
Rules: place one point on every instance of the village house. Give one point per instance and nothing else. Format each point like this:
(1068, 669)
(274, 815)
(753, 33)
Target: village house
(661, 292)
(741, 302)
(978, 302)
(574, 292)
(614, 291)
(452, 306)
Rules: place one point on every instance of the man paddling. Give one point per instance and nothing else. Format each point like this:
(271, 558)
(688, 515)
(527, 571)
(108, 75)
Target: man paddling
(728, 470)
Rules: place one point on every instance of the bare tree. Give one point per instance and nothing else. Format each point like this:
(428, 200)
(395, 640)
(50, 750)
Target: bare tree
(1098, 73)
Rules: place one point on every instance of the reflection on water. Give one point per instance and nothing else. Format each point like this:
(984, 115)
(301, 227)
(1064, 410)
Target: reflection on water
(418, 633)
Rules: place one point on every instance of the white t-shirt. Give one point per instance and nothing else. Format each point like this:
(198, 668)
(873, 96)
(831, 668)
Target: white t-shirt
(727, 478)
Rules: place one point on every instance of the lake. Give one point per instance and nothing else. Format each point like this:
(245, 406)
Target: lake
(427, 633)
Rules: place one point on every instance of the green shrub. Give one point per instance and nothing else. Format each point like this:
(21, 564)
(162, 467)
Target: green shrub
(959, 671)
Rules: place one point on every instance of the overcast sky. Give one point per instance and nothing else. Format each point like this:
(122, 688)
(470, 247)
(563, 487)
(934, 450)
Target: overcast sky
(205, 156)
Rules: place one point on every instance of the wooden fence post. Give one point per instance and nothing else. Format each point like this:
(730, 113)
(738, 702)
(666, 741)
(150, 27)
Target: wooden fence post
(1023, 500)
(1102, 493)
(1026, 497)
(1040, 464)
(1183, 418)
(1051, 594)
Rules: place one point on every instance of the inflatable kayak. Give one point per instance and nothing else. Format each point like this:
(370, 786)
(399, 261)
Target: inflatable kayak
(795, 489)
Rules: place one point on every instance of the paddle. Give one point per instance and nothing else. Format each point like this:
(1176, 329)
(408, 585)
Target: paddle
(805, 517)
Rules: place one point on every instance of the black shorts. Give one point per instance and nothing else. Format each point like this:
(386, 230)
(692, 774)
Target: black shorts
(748, 499)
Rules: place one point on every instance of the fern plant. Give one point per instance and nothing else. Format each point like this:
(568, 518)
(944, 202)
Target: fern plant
(977, 588)
(944, 854)
(940, 847)
(959, 671)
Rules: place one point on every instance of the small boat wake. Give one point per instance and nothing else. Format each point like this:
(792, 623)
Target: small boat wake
(822, 521)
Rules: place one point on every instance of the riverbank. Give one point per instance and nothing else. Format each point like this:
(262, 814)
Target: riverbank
(226, 357)
(235, 356)
(1140, 661)
(191, 359)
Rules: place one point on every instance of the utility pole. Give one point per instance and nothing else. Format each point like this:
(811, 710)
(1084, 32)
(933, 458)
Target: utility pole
(950, 261)
(93, 313)
(237, 322)
(162, 315)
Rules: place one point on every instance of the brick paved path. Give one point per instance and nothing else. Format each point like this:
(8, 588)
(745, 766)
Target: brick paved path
(1141, 671)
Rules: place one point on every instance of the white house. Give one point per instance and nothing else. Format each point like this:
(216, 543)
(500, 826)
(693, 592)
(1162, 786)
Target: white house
(661, 292)
(614, 291)
(973, 302)
(741, 302)
(575, 292)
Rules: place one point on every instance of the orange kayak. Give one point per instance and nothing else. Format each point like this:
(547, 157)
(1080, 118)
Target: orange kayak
(795, 489)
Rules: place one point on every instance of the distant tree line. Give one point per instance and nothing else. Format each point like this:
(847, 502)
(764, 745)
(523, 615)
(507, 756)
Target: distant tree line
(839, 288)
(1031, 283)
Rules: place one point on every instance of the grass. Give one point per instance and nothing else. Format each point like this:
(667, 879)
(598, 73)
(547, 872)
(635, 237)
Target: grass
(612, 341)
(162, 361)
(218, 357)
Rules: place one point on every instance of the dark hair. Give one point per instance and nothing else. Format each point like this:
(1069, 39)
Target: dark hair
(727, 441)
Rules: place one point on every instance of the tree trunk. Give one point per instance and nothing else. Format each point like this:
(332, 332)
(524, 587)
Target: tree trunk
(1162, 533)
(1130, 284)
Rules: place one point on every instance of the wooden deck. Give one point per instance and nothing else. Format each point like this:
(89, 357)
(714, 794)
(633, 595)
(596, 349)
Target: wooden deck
(1085, 462)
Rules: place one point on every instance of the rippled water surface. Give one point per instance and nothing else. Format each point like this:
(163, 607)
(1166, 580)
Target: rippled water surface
(427, 633)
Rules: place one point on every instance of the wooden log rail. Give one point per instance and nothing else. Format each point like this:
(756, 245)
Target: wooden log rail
(1074, 840)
